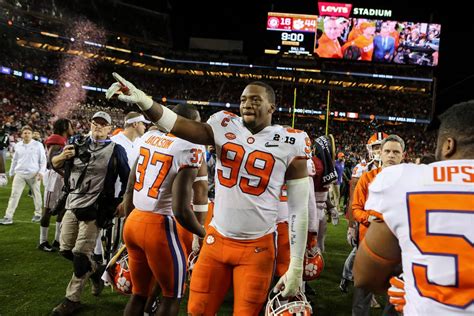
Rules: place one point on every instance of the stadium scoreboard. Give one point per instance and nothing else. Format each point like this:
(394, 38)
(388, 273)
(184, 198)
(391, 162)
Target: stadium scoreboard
(292, 34)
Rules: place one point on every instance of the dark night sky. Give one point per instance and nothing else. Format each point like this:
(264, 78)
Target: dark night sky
(246, 20)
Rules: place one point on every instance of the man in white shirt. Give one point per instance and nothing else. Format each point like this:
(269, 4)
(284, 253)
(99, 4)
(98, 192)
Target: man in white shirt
(134, 128)
(28, 167)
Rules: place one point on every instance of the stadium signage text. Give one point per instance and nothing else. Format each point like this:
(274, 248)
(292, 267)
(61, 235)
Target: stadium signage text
(344, 10)
(335, 9)
(372, 12)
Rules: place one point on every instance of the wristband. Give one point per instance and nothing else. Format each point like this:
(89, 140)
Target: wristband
(200, 208)
(167, 120)
(203, 178)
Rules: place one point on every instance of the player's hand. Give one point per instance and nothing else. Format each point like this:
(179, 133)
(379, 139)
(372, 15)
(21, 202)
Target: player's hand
(396, 292)
(334, 216)
(351, 236)
(120, 210)
(290, 282)
(196, 245)
(128, 93)
(3, 179)
(39, 177)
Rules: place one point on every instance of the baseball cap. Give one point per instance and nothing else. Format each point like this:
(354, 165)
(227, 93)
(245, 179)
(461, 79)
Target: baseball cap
(103, 116)
(340, 154)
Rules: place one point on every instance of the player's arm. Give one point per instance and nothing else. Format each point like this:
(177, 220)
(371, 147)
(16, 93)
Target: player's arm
(54, 150)
(200, 189)
(298, 195)
(192, 131)
(352, 185)
(58, 161)
(377, 258)
(358, 202)
(128, 195)
(182, 194)
(200, 199)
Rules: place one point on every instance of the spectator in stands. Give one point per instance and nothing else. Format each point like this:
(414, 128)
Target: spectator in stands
(328, 44)
(28, 167)
(384, 45)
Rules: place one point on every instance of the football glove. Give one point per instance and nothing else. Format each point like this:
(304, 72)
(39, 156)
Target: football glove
(351, 236)
(195, 246)
(396, 292)
(3, 179)
(128, 93)
(334, 216)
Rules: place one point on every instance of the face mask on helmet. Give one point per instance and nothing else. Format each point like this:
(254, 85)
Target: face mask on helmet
(280, 306)
(192, 259)
(373, 145)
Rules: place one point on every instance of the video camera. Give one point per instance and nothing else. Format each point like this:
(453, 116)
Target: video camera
(81, 147)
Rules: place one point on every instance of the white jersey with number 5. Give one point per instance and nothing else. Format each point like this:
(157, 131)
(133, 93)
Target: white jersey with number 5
(250, 173)
(430, 209)
(161, 157)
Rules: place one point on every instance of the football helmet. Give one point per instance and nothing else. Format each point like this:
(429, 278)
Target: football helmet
(313, 264)
(118, 272)
(280, 306)
(373, 145)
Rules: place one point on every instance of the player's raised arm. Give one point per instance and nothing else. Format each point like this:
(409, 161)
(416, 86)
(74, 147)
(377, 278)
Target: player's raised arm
(195, 132)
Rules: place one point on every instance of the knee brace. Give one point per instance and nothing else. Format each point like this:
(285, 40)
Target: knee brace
(67, 254)
(81, 264)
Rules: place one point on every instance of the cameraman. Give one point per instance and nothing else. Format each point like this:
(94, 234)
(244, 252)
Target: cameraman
(91, 166)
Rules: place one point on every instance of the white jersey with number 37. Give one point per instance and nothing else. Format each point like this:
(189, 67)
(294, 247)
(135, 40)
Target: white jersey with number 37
(161, 157)
(430, 209)
(250, 173)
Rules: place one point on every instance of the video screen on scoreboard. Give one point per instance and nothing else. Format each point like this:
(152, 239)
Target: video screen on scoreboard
(381, 41)
(291, 33)
(371, 40)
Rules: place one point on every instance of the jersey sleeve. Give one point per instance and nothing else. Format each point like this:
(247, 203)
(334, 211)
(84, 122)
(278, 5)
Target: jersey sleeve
(358, 201)
(191, 155)
(220, 119)
(301, 147)
(381, 186)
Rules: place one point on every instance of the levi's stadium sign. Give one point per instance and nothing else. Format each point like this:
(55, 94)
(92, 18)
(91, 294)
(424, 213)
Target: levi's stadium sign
(344, 10)
(372, 12)
(334, 9)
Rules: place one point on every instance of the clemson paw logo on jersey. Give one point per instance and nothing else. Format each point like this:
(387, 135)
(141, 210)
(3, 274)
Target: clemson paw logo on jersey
(210, 240)
(230, 136)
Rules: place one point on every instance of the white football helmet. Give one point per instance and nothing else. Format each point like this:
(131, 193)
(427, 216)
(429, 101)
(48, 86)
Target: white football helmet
(280, 306)
(373, 146)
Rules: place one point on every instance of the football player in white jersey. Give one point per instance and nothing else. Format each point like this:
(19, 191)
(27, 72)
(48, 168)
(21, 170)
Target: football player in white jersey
(425, 221)
(162, 189)
(254, 160)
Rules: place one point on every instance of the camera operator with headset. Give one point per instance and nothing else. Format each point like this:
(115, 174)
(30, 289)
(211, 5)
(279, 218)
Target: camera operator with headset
(91, 166)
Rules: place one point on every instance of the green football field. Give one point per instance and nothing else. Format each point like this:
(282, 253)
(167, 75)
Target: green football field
(33, 282)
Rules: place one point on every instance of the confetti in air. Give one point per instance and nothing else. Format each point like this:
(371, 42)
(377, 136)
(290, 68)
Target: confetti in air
(75, 70)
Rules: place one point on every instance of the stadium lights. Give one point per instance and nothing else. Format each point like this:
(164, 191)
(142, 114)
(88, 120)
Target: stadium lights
(335, 114)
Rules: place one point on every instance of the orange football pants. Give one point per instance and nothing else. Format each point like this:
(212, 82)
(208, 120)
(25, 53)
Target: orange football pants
(283, 253)
(155, 252)
(247, 264)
